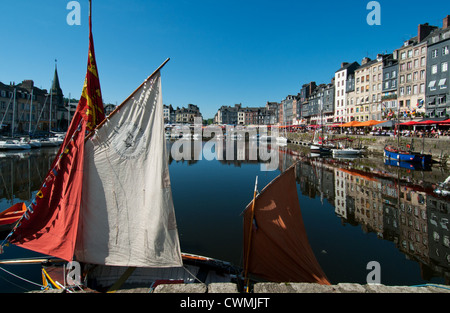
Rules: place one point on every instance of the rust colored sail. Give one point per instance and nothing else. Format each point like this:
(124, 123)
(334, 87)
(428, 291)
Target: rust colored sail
(279, 247)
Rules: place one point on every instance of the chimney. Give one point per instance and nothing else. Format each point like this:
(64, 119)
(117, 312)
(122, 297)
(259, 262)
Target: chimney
(365, 60)
(423, 31)
(28, 84)
(445, 22)
(344, 64)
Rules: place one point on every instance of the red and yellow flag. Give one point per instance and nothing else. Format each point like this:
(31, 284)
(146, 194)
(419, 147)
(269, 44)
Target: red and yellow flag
(90, 105)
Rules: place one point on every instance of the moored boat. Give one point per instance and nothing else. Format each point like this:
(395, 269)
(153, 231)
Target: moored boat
(392, 152)
(346, 151)
(14, 145)
(10, 216)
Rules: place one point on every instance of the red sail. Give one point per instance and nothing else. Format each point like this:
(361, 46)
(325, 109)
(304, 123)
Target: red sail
(279, 247)
(50, 225)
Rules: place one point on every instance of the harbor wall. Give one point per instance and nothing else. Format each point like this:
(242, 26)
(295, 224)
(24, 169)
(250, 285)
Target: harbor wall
(439, 148)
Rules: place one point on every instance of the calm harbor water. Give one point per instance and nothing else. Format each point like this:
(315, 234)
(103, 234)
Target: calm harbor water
(355, 211)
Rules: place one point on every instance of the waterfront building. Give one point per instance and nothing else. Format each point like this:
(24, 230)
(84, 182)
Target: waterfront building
(389, 89)
(321, 105)
(169, 114)
(288, 107)
(303, 101)
(187, 115)
(363, 90)
(368, 88)
(376, 86)
(30, 112)
(351, 97)
(437, 73)
(227, 115)
(340, 78)
(412, 59)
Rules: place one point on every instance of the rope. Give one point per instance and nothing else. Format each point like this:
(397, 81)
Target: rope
(21, 278)
(195, 277)
(432, 285)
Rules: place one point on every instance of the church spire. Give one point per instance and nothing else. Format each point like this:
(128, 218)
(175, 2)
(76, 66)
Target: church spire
(56, 87)
(56, 91)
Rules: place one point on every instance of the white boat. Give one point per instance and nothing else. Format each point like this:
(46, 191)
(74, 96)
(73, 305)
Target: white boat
(57, 141)
(266, 138)
(282, 140)
(46, 142)
(34, 143)
(14, 145)
(346, 151)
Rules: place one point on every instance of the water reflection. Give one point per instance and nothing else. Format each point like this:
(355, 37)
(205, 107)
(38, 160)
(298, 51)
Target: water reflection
(395, 203)
(22, 174)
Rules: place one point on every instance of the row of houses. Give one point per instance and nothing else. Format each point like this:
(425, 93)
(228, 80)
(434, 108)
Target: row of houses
(181, 115)
(411, 82)
(27, 109)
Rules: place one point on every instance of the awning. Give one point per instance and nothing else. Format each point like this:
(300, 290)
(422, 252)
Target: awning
(368, 123)
(410, 123)
(349, 124)
(432, 84)
(387, 124)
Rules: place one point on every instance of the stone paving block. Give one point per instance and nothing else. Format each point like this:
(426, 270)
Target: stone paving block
(181, 288)
(350, 288)
(222, 288)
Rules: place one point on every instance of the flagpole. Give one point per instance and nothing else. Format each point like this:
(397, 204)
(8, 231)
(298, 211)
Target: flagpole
(250, 235)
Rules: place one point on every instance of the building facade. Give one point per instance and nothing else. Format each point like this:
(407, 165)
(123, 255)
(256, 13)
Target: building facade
(412, 59)
(24, 108)
(437, 92)
(340, 78)
(362, 90)
(389, 89)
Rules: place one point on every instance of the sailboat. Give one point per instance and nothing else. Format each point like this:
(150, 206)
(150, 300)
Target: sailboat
(106, 205)
(276, 246)
(106, 202)
(9, 217)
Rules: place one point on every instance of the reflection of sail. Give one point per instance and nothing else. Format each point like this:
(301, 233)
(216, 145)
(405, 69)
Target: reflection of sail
(279, 247)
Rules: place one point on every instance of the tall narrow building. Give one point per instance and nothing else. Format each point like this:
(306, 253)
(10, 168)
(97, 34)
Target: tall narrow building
(58, 111)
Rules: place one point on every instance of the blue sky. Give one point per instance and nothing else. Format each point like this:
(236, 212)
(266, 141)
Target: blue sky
(222, 52)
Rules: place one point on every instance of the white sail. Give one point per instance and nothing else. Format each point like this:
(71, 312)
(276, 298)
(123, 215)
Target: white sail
(127, 214)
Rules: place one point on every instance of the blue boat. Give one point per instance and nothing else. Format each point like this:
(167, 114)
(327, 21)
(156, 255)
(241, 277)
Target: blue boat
(395, 153)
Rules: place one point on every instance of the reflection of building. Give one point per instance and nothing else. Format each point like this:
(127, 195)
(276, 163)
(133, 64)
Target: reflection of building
(413, 232)
(439, 234)
(340, 195)
(408, 215)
